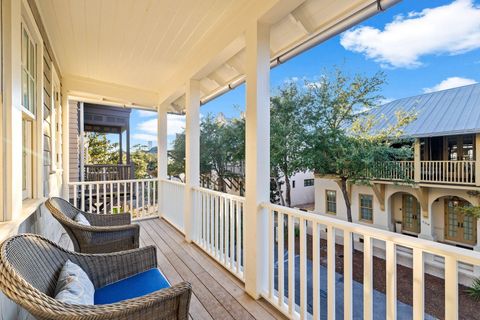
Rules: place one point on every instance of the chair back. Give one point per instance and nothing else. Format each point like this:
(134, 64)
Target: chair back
(65, 213)
(30, 262)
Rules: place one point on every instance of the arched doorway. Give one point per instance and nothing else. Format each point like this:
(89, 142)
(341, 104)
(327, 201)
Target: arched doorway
(459, 227)
(405, 210)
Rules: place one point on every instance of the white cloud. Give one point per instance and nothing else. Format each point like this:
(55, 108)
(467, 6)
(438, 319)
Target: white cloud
(450, 29)
(449, 83)
(175, 124)
(146, 113)
(145, 137)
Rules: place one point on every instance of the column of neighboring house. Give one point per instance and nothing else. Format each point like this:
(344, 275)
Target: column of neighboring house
(426, 222)
(477, 183)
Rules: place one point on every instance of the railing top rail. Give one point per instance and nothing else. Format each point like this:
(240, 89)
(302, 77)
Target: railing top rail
(79, 183)
(449, 161)
(220, 194)
(441, 249)
(108, 165)
(178, 183)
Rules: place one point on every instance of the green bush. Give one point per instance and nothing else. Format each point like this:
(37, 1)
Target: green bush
(474, 290)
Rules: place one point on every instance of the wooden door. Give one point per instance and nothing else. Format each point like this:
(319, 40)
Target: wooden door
(411, 214)
(459, 227)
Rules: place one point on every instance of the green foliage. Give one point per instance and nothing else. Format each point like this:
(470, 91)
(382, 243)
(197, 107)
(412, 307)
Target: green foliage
(339, 138)
(287, 133)
(176, 163)
(474, 290)
(145, 163)
(100, 149)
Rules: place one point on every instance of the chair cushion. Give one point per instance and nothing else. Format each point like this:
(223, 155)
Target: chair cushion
(132, 287)
(80, 218)
(74, 286)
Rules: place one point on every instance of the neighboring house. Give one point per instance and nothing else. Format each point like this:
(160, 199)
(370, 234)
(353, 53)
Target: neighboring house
(444, 173)
(302, 190)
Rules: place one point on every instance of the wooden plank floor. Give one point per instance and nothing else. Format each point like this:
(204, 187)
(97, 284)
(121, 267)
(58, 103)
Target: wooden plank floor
(217, 294)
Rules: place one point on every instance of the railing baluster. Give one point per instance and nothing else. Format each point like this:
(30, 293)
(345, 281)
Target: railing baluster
(271, 246)
(90, 198)
(291, 265)
(418, 284)
(232, 233)
(75, 195)
(367, 278)
(221, 208)
(281, 253)
(98, 199)
(316, 270)
(451, 288)
(148, 196)
(331, 273)
(391, 281)
(303, 270)
(348, 275)
(82, 200)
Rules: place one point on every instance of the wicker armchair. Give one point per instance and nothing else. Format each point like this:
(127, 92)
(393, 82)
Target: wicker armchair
(30, 266)
(107, 233)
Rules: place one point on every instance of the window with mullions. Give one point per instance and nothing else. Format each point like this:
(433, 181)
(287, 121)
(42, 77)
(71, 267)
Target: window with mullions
(29, 68)
(331, 197)
(308, 182)
(366, 207)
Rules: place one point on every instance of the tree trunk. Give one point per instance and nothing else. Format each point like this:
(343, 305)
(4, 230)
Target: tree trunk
(279, 188)
(288, 200)
(343, 186)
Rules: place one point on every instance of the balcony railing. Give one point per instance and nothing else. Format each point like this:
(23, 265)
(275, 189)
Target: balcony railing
(139, 197)
(295, 262)
(450, 172)
(456, 172)
(108, 172)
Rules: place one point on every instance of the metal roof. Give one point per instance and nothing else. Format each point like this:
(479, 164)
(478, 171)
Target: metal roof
(442, 113)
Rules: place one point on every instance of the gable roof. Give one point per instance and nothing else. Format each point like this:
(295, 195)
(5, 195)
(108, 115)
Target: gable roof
(442, 113)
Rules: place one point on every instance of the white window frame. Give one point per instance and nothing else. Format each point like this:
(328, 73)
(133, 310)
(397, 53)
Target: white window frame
(35, 179)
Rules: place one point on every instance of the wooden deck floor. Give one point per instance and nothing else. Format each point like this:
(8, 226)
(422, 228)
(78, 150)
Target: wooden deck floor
(217, 294)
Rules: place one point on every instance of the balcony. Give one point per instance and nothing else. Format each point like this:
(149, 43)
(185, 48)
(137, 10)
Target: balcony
(312, 273)
(437, 172)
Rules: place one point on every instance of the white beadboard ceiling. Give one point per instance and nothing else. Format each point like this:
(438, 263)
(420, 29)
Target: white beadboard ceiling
(146, 44)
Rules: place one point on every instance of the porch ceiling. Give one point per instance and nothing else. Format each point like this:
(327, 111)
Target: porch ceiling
(155, 46)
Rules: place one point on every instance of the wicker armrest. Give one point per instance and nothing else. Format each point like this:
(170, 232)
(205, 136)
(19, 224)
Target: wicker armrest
(104, 269)
(117, 219)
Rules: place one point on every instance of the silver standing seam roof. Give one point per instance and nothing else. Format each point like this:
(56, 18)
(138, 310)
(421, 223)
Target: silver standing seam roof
(442, 113)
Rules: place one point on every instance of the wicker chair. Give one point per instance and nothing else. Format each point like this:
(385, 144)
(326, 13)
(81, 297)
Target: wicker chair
(107, 233)
(30, 266)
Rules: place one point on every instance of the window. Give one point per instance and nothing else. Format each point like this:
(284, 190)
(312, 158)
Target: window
(27, 159)
(366, 207)
(308, 182)
(331, 198)
(28, 71)
(293, 184)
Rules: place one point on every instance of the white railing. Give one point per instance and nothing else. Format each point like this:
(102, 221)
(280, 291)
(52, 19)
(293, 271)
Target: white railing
(287, 231)
(394, 170)
(458, 172)
(139, 197)
(173, 204)
(219, 227)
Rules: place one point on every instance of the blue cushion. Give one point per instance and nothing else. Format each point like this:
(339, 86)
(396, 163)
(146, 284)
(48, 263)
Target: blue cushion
(132, 287)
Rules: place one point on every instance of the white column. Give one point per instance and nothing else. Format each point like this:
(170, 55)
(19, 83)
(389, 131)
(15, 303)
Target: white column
(162, 156)
(65, 145)
(477, 159)
(417, 161)
(426, 225)
(192, 154)
(257, 158)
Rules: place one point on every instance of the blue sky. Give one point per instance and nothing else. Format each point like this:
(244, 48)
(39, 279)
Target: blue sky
(421, 46)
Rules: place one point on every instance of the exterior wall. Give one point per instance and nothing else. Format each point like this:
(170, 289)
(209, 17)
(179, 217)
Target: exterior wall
(432, 226)
(18, 215)
(301, 195)
(73, 136)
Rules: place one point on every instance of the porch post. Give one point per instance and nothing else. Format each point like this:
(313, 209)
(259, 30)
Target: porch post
(257, 158)
(192, 154)
(162, 157)
(477, 159)
(416, 163)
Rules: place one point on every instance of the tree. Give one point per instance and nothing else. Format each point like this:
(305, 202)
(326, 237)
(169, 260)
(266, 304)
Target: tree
(286, 134)
(176, 163)
(144, 163)
(340, 139)
(100, 149)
